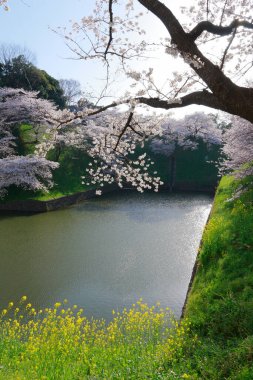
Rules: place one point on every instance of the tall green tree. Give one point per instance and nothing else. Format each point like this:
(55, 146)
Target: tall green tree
(18, 72)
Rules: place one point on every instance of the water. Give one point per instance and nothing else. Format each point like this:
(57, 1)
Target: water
(105, 253)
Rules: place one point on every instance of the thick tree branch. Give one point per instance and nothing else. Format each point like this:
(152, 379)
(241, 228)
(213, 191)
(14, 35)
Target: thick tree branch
(203, 98)
(236, 100)
(217, 29)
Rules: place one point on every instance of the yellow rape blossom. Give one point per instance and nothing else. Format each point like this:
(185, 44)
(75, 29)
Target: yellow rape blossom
(59, 343)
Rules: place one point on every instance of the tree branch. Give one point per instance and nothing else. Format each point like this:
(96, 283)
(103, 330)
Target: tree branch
(232, 98)
(203, 98)
(128, 123)
(227, 48)
(217, 29)
(110, 28)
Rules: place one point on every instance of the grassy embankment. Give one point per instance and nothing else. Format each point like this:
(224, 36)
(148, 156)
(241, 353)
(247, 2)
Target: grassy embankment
(220, 305)
(216, 344)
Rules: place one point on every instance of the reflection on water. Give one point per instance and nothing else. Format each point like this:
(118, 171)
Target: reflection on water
(105, 253)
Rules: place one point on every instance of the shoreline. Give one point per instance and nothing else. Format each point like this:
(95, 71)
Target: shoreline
(37, 206)
(195, 268)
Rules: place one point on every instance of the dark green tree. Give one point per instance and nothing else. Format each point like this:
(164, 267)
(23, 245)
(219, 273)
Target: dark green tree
(18, 72)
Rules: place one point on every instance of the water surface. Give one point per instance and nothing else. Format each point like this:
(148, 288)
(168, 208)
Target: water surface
(105, 253)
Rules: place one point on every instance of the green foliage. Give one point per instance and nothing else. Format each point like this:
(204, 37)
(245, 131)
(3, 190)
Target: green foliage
(20, 73)
(193, 168)
(73, 163)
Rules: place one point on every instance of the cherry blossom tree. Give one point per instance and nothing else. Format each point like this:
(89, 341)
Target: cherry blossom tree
(214, 39)
(30, 172)
(185, 133)
(113, 149)
(238, 148)
(97, 132)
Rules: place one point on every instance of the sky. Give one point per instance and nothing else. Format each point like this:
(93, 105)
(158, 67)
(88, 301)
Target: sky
(29, 23)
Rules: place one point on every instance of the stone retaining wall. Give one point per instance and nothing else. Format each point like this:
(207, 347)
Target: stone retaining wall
(30, 205)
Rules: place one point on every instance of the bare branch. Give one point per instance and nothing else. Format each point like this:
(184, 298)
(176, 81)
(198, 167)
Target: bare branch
(128, 123)
(227, 48)
(223, 11)
(207, 9)
(110, 28)
(218, 29)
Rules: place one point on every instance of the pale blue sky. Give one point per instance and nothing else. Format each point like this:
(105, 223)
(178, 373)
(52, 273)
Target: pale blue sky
(28, 24)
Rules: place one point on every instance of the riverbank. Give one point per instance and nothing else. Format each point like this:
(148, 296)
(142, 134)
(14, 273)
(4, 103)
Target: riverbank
(220, 302)
(54, 202)
(51, 204)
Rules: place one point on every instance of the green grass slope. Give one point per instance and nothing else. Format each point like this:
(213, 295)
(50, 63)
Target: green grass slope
(220, 304)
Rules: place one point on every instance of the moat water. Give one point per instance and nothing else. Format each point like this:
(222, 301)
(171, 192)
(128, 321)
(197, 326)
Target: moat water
(105, 253)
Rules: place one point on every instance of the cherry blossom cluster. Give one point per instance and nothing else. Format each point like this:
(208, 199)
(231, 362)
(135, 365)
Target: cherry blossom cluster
(20, 106)
(238, 148)
(113, 149)
(30, 172)
(186, 133)
(7, 142)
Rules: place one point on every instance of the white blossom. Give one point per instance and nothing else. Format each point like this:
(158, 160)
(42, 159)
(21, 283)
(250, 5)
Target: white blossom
(29, 172)
(238, 148)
